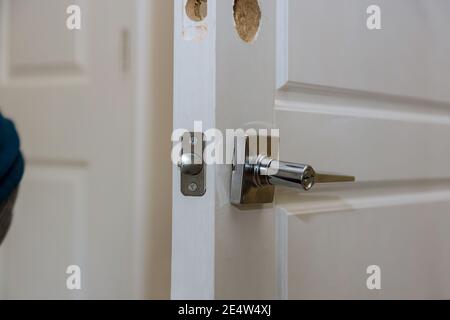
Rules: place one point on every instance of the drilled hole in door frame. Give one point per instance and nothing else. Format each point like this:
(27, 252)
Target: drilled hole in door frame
(247, 19)
(197, 10)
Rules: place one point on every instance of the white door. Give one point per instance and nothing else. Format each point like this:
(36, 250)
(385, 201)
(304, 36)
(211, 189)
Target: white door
(347, 98)
(81, 102)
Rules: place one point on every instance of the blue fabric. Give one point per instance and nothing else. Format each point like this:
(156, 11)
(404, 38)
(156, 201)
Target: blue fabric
(11, 160)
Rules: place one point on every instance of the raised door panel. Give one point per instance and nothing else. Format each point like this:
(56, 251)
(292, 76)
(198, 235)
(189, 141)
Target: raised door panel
(375, 104)
(36, 42)
(330, 253)
(48, 233)
(329, 44)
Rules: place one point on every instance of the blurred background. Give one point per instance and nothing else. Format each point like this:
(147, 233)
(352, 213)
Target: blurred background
(94, 111)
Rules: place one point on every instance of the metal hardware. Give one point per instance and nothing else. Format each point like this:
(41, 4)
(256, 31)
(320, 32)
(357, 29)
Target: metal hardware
(253, 180)
(192, 166)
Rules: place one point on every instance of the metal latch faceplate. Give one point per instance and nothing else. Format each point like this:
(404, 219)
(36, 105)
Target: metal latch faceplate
(192, 165)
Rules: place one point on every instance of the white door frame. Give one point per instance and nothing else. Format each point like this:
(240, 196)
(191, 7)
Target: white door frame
(193, 221)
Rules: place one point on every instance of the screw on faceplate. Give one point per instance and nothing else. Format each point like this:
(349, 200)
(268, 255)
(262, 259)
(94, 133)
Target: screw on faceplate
(192, 187)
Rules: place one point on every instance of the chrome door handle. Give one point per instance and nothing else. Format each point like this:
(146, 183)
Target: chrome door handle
(268, 171)
(253, 180)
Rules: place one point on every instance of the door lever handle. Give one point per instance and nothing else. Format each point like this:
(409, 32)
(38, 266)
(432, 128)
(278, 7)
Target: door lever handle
(254, 180)
(268, 171)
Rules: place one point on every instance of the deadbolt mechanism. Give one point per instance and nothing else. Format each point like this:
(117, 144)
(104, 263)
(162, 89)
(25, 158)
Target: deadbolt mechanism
(256, 173)
(192, 166)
